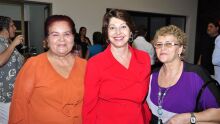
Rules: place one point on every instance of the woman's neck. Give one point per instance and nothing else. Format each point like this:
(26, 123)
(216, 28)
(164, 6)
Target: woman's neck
(122, 51)
(62, 64)
(171, 67)
(122, 55)
(59, 58)
(170, 73)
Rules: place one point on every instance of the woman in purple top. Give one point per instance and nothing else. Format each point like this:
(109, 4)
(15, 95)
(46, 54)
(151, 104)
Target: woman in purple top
(174, 87)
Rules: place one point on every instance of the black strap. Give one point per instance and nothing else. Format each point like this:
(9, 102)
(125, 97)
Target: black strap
(214, 87)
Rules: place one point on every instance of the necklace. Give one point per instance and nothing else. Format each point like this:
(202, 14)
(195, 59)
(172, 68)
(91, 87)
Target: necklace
(162, 93)
(161, 96)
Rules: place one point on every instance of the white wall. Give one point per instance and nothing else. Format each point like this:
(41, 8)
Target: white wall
(89, 13)
(13, 11)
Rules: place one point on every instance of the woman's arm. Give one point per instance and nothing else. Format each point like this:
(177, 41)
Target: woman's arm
(22, 94)
(209, 116)
(5, 55)
(91, 93)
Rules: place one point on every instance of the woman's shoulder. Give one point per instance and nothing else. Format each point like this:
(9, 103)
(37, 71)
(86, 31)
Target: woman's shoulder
(101, 60)
(141, 55)
(98, 59)
(38, 57)
(36, 60)
(81, 60)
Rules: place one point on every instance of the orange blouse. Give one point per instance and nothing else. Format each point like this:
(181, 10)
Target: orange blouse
(42, 96)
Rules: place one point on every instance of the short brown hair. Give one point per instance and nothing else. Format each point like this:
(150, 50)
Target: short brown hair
(4, 22)
(120, 14)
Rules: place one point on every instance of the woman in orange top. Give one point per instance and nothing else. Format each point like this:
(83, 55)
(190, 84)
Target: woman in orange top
(49, 87)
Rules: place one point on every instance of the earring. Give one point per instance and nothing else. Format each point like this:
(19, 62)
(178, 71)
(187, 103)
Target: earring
(107, 41)
(179, 55)
(131, 39)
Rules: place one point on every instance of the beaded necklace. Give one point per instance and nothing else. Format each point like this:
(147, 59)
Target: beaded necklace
(161, 96)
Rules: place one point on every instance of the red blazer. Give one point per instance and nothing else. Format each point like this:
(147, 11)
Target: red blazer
(114, 94)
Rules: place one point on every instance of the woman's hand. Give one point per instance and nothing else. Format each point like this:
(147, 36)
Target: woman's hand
(180, 119)
(18, 40)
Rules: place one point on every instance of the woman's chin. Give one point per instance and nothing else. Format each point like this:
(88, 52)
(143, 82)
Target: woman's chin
(61, 53)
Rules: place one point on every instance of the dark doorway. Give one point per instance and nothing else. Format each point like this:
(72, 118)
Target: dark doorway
(207, 10)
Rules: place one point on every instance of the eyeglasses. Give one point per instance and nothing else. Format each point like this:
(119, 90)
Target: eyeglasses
(166, 44)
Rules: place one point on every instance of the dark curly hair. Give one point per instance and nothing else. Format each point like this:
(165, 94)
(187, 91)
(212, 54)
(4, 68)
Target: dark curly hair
(4, 22)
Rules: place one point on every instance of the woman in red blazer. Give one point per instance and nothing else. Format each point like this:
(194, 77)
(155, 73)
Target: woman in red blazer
(117, 79)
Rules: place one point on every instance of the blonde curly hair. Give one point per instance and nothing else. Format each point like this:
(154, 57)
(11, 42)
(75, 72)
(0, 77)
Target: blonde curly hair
(176, 32)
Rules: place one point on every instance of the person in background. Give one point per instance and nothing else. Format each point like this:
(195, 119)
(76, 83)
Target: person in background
(77, 50)
(84, 41)
(49, 87)
(45, 45)
(116, 80)
(10, 63)
(97, 45)
(141, 43)
(174, 86)
(216, 56)
(207, 46)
